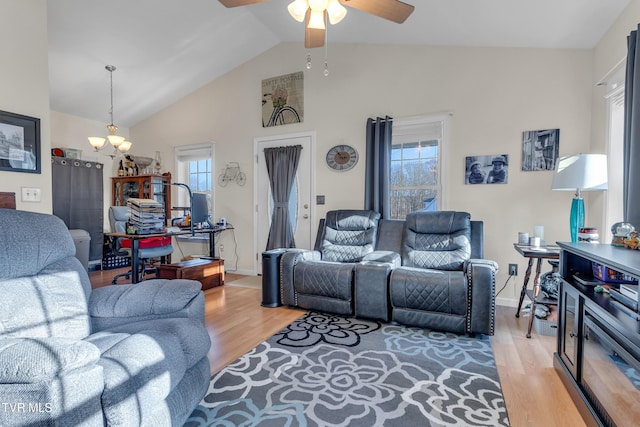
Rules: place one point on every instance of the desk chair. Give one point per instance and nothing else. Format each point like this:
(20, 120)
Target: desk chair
(153, 247)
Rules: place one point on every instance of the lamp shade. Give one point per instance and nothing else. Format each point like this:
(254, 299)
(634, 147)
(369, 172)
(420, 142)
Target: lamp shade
(583, 172)
(298, 9)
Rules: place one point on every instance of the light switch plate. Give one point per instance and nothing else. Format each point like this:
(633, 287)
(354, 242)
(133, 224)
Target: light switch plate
(30, 194)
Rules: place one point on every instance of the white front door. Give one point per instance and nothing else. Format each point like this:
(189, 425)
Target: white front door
(301, 208)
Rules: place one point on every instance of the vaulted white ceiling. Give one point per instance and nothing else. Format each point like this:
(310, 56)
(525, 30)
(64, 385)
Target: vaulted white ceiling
(166, 49)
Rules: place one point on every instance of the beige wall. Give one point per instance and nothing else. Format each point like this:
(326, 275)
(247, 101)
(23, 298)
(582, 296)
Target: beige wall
(24, 88)
(493, 94)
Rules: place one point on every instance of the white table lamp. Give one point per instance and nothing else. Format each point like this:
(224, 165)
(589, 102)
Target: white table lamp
(580, 172)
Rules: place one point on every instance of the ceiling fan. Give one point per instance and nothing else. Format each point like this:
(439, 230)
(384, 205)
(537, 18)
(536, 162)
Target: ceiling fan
(314, 13)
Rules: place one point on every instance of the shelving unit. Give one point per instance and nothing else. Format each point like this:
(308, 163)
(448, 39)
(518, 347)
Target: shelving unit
(143, 187)
(598, 353)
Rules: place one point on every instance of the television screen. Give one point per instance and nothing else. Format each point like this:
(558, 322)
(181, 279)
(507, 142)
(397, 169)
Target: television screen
(199, 208)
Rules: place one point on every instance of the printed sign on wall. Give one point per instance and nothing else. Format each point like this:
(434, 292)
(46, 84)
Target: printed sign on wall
(283, 100)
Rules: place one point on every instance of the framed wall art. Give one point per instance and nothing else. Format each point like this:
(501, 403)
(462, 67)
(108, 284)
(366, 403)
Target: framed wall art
(19, 143)
(540, 149)
(493, 169)
(283, 100)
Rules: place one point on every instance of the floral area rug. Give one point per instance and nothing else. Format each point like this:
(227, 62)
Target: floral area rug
(325, 370)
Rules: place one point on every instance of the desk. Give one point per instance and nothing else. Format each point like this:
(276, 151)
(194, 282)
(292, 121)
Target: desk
(135, 240)
(547, 252)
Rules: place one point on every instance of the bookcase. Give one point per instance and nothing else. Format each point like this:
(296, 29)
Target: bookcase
(143, 187)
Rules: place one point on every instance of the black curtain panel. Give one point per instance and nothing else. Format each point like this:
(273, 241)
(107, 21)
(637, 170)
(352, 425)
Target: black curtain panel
(631, 177)
(377, 173)
(78, 199)
(282, 165)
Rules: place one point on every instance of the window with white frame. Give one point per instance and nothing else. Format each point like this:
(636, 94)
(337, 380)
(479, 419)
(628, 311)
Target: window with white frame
(415, 169)
(195, 168)
(615, 147)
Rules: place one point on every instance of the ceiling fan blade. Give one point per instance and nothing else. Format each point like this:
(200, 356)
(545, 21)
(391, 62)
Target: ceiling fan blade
(393, 10)
(313, 37)
(234, 3)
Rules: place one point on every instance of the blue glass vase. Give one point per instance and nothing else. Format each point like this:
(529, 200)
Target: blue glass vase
(576, 220)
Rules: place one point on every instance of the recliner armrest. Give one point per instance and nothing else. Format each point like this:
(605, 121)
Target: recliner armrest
(114, 305)
(385, 257)
(481, 279)
(34, 360)
(288, 262)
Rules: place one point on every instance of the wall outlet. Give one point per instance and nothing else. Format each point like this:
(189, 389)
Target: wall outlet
(30, 194)
(513, 269)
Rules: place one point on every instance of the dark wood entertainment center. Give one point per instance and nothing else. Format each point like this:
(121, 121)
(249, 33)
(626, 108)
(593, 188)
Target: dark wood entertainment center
(598, 352)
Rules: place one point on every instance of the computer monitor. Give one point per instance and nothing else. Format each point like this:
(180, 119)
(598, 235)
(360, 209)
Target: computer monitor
(199, 208)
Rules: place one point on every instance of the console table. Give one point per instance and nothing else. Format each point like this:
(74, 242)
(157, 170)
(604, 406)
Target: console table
(598, 353)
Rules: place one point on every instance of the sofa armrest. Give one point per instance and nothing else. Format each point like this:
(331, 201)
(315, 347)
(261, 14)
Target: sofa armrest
(288, 262)
(114, 305)
(384, 257)
(34, 360)
(481, 279)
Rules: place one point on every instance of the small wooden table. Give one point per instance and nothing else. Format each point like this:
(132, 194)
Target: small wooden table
(208, 271)
(541, 253)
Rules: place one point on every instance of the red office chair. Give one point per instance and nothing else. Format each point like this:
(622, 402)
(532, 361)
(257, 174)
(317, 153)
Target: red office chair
(152, 247)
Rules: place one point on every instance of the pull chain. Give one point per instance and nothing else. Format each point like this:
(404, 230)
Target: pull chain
(326, 54)
(309, 59)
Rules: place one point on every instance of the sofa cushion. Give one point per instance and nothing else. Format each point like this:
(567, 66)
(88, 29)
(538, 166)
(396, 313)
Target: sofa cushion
(193, 339)
(437, 240)
(51, 303)
(349, 235)
(30, 360)
(143, 362)
(25, 249)
(151, 297)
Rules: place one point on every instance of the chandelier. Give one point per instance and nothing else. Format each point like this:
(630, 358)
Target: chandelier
(119, 144)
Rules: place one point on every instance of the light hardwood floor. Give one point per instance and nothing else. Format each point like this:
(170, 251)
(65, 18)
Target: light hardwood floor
(534, 394)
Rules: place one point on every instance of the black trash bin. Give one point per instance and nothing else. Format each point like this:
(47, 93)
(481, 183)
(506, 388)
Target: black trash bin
(271, 277)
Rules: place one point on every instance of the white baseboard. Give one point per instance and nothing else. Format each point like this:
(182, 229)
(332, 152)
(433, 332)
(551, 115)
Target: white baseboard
(243, 272)
(507, 302)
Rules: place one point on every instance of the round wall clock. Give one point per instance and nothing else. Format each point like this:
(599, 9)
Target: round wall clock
(342, 157)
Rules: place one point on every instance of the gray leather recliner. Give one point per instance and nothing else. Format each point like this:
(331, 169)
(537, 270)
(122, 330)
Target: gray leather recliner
(124, 355)
(323, 279)
(440, 284)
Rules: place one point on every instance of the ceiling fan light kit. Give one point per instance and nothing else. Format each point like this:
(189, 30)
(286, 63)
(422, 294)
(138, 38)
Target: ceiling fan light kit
(298, 9)
(314, 13)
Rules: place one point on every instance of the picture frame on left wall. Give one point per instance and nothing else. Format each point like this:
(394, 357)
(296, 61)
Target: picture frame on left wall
(19, 143)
